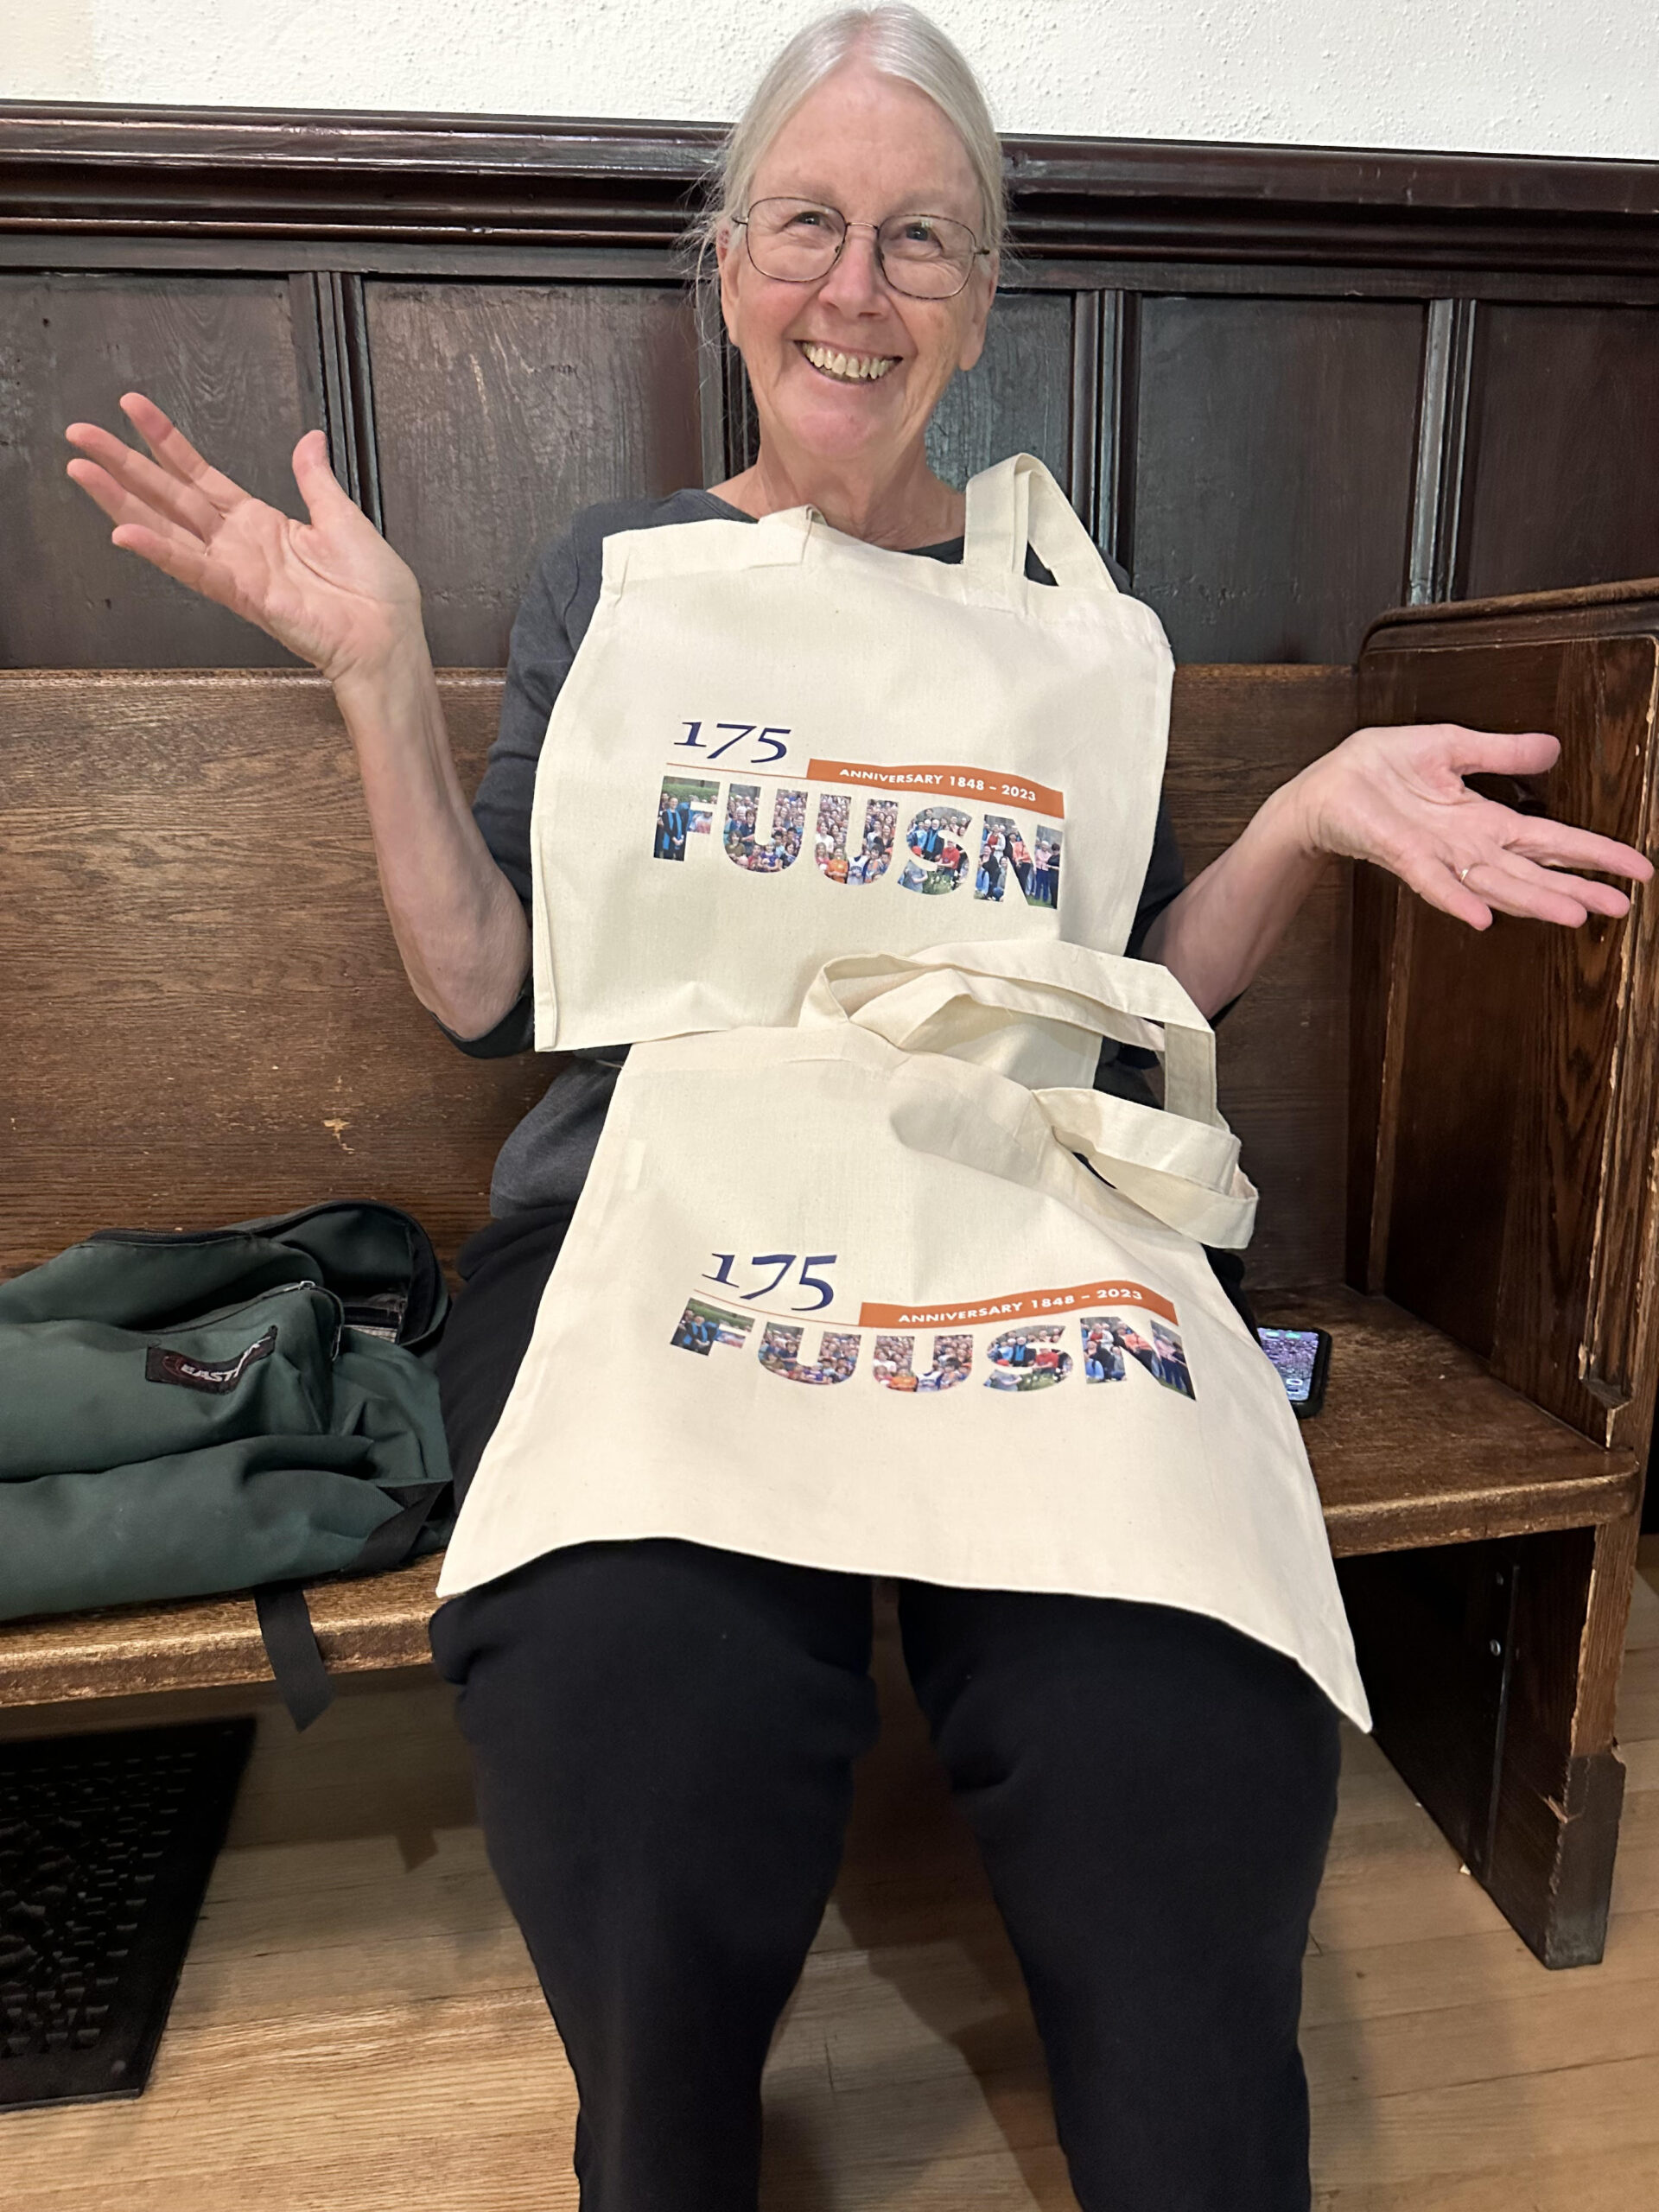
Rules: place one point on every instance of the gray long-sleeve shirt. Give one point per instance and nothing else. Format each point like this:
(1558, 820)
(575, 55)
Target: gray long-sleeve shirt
(546, 1159)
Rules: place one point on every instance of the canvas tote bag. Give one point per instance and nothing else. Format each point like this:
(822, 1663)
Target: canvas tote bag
(777, 744)
(843, 1294)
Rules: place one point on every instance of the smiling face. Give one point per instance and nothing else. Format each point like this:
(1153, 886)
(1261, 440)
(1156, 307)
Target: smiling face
(846, 371)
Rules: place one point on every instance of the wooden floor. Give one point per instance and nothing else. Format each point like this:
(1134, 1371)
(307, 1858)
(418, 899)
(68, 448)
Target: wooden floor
(358, 2028)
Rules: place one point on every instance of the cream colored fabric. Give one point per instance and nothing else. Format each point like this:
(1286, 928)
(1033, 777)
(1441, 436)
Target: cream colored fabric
(762, 713)
(787, 1316)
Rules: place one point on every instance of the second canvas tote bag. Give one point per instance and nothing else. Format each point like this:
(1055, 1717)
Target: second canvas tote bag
(845, 1295)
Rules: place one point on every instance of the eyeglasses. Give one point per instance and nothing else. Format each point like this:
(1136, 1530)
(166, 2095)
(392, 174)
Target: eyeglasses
(800, 241)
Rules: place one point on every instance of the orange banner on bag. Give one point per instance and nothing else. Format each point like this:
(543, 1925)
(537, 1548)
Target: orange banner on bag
(976, 784)
(1020, 1306)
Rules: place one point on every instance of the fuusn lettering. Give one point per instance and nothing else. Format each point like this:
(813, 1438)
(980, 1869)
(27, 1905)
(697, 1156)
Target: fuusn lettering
(761, 830)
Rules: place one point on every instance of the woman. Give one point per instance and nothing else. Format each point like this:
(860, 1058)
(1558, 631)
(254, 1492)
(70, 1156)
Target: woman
(663, 1733)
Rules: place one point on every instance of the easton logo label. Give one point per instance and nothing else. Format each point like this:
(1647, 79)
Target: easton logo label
(162, 1365)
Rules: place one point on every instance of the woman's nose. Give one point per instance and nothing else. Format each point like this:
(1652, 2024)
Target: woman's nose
(854, 284)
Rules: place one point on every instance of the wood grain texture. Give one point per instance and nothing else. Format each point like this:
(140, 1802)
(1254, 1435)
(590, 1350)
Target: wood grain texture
(1417, 1445)
(206, 888)
(1017, 399)
(376, 1626)
(502, 409)
(1273, 459)
(1561, 477)
(1235, 735)
(209, 177)
(1521, 1215)
(206, 1017)
(219, 354)
(353, 1941)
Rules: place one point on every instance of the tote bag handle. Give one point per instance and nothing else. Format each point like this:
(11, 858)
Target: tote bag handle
(1184, 1173)
(934, 1001)
(1019, 503)
(1180, 1164)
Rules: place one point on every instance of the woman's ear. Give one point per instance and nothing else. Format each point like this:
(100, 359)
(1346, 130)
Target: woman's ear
(730, 261)
(982, 289)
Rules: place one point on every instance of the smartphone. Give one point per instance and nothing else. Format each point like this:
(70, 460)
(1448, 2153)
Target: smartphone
(1301, 1356)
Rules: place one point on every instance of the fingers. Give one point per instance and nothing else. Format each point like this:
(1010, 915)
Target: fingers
(1521, 887)
(1558, 844)
(1495, 752)
(144, 480)
(119, 504)
(321, 489)
(1440, 884)
(177, 555)
(174, 452)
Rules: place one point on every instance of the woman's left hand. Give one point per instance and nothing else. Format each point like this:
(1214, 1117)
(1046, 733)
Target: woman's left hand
(1396, 797)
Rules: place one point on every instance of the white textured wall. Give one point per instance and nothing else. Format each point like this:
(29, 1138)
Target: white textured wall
(1521, 76)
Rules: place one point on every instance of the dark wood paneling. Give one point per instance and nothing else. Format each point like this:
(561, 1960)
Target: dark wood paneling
(1521, 1219)
(1235, 735)
(1470, 1003)
(1561, 478)
(1018, 398)
(219, 354)
(224, 175)
(1274, 449)
(501, 410)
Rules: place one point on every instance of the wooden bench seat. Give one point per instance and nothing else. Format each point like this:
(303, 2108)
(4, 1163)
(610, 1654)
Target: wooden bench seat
(208, 1020)
(1486, 1464)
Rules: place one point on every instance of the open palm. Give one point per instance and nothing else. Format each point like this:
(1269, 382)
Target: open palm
(1398, 797)
(330, 590)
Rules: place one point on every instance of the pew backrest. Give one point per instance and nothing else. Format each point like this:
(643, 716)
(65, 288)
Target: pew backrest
(207, 1018)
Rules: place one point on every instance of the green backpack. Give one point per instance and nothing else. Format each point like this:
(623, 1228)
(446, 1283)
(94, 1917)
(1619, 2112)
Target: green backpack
(226, 1410)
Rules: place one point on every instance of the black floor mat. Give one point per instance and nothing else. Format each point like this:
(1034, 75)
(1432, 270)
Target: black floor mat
(106, 1843)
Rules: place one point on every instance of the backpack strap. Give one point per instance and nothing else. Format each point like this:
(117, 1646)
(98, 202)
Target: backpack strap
(285, 1624)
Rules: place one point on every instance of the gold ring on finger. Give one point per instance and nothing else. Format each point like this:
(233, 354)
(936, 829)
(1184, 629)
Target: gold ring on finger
(1464, 873)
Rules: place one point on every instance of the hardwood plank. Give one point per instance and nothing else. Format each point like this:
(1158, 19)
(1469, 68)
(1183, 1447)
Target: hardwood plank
(1563, 424)
(222, 355)
(329, 1972)
(244, 1065)
(1611, 2181)
(1275, 438)
(1235, 735)
(1017, 399)
(1521, 1220)
(1417, 1445)
(376, 1624)
(1425, 2135)
(500, 409)
(1484, 1462)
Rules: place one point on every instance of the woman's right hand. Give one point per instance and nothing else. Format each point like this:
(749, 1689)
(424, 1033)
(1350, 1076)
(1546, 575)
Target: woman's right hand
(331, 590)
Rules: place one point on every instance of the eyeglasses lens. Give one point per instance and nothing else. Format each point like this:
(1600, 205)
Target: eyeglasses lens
(798, 241)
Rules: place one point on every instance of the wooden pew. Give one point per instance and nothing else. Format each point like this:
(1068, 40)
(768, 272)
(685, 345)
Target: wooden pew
(207, 1019)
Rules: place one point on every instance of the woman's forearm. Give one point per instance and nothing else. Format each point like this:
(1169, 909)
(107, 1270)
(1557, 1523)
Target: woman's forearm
(1215, 937)
(460, 927)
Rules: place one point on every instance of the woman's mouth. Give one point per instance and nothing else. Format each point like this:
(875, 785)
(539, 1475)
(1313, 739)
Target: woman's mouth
(846, 368)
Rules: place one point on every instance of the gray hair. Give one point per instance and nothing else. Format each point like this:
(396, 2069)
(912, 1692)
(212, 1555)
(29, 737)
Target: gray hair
(899, 41)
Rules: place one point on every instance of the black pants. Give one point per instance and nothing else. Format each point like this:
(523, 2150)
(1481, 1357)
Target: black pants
(663, 1735)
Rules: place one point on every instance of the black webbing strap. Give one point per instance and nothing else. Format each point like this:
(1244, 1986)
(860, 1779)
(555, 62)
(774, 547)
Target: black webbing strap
(296, 1664)
(303, 1681)
(391, 1544)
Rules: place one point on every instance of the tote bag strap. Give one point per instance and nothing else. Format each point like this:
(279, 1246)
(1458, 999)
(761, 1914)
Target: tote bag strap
(1184, 1173)
(1180, 1164)
(1019, 503)
(932, 1001)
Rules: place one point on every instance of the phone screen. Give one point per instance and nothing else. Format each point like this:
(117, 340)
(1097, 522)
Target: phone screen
(1293, 1352)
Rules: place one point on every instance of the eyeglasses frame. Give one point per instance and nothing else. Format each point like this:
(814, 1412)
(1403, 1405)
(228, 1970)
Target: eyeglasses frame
(980, 253)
